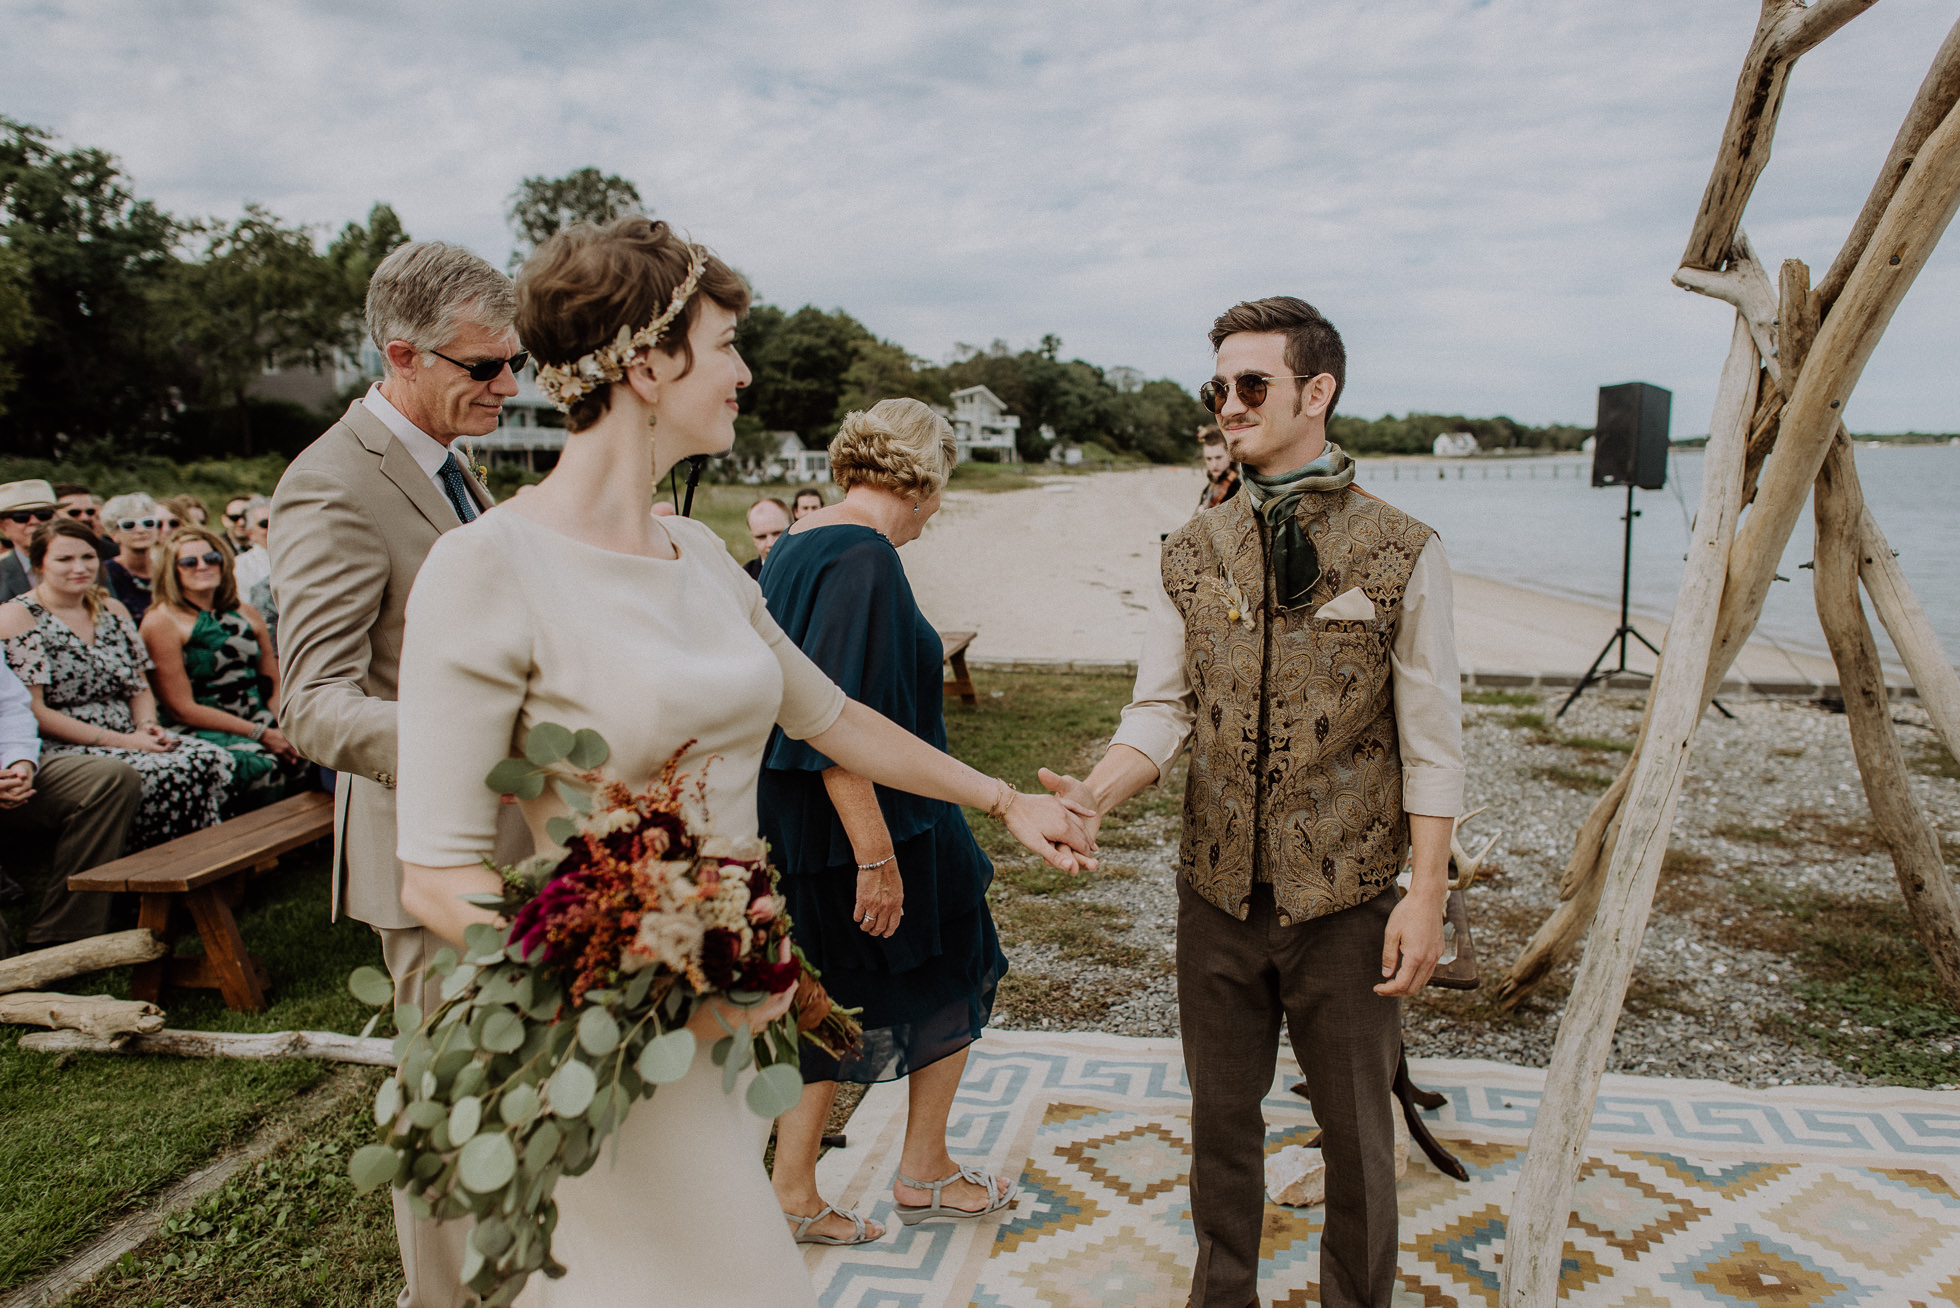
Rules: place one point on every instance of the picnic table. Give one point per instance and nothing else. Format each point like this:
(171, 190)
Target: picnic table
(961, 682)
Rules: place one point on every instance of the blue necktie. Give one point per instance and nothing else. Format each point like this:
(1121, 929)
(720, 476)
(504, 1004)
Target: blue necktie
(458, 490)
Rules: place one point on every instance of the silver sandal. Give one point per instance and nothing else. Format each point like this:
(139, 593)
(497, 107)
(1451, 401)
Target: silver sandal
(803, 1225)
(913, 1214)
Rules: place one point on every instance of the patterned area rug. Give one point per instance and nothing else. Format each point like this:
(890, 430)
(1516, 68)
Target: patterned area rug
(1693, 1192)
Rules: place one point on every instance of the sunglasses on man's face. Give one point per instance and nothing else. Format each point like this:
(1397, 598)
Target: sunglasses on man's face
(208, 559)
(234, 517)
(262, 524)
(78, 514)
(1251, 387)
(31, 515)
(489, 369)
(137, 524)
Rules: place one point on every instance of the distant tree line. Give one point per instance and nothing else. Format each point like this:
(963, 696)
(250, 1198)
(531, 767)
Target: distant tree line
(125, 328)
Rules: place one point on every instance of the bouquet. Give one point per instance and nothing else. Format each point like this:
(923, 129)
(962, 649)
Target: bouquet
(549, 1031)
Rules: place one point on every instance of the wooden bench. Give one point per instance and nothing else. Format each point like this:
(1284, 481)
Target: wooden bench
(961, 682)
(201, 876)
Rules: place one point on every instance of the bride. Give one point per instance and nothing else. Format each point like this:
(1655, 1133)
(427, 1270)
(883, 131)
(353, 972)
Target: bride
(574, 604)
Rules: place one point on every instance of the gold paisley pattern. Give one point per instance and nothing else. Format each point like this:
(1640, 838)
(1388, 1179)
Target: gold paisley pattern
(1324, 823)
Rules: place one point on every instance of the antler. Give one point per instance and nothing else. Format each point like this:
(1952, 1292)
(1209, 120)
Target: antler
(1463, 864)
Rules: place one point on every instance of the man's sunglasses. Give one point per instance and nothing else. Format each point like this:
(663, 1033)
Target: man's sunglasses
(208, 559)
(137, 524)
(1250, 386)
(234, 517)
(76, 515)
(489, 369)
(263, 523)
(31, 515)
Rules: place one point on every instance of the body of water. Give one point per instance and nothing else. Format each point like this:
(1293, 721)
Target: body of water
(1539, 524)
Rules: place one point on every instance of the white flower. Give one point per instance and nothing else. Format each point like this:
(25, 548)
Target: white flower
(734, 849)
(672, 940)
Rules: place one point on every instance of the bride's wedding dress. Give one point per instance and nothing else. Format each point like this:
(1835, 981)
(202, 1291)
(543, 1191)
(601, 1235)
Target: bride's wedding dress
(510, 624)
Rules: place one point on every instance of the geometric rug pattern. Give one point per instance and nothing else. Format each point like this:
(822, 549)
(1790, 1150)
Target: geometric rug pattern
(1692, 1192)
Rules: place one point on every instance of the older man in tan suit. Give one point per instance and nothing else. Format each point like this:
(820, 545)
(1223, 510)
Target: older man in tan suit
(353, 518)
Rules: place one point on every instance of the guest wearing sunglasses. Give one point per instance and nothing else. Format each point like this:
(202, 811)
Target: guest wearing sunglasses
(215, 671)
(24, 507)
(135, 523)
(237, 514)
(254, 562)
(82, 505)
(351, 522)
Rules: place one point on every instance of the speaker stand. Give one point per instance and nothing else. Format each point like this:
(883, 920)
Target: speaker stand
(1626, 627)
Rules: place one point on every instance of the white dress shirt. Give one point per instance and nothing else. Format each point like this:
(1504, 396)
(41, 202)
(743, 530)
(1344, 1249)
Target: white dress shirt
(426, 450)
(1423, 670)
(20, 735)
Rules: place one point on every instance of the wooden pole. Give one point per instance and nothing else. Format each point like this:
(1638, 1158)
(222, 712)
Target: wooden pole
(96, 1015)
(1905, 620)
(1902, 823)
(330, 1045)
(42, 967)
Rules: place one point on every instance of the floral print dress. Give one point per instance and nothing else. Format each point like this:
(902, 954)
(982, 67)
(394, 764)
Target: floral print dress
(184, 788)
(221, 660)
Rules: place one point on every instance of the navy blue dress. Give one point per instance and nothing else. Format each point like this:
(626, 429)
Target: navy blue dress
(841, 595)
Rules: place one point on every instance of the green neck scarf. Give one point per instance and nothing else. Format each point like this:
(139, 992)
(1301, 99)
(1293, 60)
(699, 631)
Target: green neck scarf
(1296, 565)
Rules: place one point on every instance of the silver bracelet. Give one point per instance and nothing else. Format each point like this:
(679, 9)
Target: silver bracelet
(872, 867)
(258, 731)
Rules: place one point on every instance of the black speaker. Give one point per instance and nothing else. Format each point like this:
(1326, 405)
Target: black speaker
(1630, 439)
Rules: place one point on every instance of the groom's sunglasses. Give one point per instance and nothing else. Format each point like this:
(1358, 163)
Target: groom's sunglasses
(1250, 386)
(489, 369)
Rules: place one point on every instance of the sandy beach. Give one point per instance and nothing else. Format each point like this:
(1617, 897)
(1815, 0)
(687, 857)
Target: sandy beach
(1062, 572)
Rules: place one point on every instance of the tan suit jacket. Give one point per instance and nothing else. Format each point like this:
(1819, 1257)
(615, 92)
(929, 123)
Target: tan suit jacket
(352, 520)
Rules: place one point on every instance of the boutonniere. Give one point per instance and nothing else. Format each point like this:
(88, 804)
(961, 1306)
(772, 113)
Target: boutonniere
(1236, 608)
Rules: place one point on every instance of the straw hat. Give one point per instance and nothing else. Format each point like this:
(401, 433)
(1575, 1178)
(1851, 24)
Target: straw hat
(31, 494)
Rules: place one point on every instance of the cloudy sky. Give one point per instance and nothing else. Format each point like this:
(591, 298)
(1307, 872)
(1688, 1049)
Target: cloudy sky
(1487, 196)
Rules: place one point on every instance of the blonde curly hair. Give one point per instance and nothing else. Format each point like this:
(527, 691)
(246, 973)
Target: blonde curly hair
(899, 445)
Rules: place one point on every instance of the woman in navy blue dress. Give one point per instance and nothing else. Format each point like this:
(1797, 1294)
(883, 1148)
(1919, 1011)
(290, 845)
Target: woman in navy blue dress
(887, 890)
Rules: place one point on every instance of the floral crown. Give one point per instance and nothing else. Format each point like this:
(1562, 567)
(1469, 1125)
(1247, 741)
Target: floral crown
(565, 384)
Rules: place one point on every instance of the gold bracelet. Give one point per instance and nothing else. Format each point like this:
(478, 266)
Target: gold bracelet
(1006, 801)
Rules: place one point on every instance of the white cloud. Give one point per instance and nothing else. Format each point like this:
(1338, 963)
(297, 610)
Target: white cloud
(1487, 197)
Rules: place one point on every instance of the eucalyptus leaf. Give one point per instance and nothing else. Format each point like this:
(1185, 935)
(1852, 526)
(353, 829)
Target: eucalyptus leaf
(520, 991)
(426, 1114)
(428, 1085)
(387, 1101)
(426, 1167)
(775, 1090)
(720, 1051)
(578, 1147)
(671, 1005)
(545, 998)
(470, 1080)
(509, 776)
(667, 1058)
(571, 1088)
(487, 1163)
(407, 1016)
(744, 1051)
(519, 1104)
(729, 1071)
(483, 901)
(636, 989)
(472, 1263)
(598, 1033)
(547, 743)
(458, 981)
(492, 1235)
(481, 938)
(465, 1118)
(448, 1064)
(444, 961)
(542, 1147)
(372, 1023)
(503, 1031)
(499, 987)
(589, 750)
(575, 798)
(560, 830)
(371, 986)
(371, 1166)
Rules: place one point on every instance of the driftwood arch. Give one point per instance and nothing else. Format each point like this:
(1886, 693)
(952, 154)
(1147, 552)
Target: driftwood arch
(1796, 354)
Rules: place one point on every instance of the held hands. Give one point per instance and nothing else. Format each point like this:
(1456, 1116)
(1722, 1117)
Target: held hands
(1412, 944)
(148, 738)
(16, 785)
(1078, 797)
(1058, 829)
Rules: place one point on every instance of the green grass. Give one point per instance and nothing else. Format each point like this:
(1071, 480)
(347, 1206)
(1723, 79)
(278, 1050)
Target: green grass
(1573, 778)
(1930, 758)
(1512, 698)
(1597, 744)
(1754, 834)
(90, 1136)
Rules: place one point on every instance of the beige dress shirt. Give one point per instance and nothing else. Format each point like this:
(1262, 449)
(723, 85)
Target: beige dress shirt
(1427, 685)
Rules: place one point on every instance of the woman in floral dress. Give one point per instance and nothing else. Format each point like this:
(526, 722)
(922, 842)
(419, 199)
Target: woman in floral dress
(80, 656)
(214, 666)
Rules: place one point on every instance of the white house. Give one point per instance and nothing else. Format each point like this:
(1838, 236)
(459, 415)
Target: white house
(792, 462)
(981, 422)
(1455, 445)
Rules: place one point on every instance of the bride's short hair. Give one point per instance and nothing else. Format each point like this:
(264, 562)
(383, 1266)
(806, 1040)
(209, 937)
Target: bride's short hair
(900, 445)
(588, 281)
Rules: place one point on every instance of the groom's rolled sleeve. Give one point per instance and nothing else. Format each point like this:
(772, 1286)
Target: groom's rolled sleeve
(1428, 689)
(1161, 710)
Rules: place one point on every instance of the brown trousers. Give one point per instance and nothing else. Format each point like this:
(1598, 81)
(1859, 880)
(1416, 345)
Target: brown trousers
(1235, 981)
(432, 1251)
(88, 801)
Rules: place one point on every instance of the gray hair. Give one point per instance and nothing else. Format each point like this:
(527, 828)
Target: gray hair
(260, 501)
(134, 504)
(424, 289)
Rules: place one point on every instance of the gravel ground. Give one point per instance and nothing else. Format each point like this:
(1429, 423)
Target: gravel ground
(1772, 804)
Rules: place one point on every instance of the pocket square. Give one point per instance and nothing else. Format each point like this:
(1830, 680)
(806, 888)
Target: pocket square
(1351, 605)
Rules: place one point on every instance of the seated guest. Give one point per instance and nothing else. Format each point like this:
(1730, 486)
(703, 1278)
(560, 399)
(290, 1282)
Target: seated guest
(215, 670)
(189, 509)
(24, 506)
(253, 563)
(887, 891)
(77, 649)
(86, 802)
(135, 521)
(807, 501)
(79, 503)
(237, 514)
(768, 520)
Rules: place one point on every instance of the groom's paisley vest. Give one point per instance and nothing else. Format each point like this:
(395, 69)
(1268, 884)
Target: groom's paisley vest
(1323, 821)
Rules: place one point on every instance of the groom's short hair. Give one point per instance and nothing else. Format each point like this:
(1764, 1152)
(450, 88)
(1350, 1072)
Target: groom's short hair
(1312, 344)
(423, 291)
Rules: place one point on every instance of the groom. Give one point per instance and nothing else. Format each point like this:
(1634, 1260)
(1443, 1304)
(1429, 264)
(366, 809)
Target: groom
(1302, 644)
